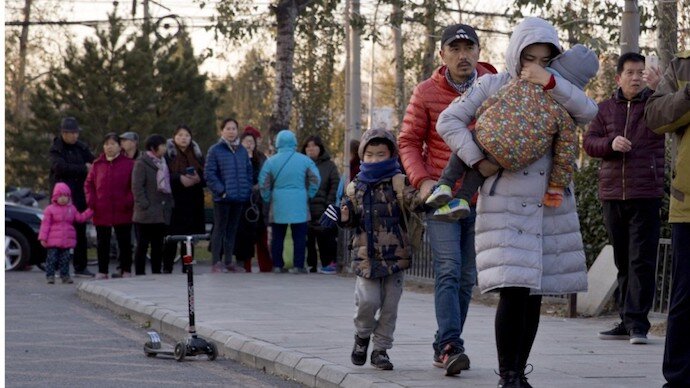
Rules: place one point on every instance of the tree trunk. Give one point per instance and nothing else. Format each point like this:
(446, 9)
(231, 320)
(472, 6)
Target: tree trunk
(667, 32)
(20, 81)
(430, 47)
(630, 28)
(286, 17)
(396, 21)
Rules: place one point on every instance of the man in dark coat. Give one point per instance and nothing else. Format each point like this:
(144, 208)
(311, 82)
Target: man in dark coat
(71, 161)
(631, 186)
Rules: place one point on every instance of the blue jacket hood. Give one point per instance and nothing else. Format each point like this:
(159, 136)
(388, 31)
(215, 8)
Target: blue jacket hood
(286, 141)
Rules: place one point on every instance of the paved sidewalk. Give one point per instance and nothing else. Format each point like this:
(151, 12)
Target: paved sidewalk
(300, 326)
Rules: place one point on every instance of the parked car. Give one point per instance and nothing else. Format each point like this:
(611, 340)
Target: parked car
(22, 248)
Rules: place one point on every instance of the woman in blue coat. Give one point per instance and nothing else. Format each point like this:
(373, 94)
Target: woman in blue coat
(287, 181)
(228, 174)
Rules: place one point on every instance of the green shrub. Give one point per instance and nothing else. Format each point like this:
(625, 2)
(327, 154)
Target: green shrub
(594, 234)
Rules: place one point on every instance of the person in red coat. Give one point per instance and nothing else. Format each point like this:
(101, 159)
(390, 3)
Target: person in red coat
(108, 191)
(424, 154)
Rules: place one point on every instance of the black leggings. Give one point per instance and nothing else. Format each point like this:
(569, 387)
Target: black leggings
(517, 321)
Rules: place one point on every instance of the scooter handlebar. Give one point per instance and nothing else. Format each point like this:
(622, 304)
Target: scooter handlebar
(195, 237)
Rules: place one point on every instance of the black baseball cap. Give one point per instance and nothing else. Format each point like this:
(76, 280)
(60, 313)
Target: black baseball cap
(459, 31)
(69, 124)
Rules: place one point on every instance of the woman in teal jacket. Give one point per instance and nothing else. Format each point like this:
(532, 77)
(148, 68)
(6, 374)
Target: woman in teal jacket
(287, 181)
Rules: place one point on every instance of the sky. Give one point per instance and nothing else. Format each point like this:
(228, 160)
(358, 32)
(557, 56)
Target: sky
(225, 59)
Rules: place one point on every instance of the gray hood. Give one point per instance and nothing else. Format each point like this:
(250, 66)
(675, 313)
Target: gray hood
(531, 30)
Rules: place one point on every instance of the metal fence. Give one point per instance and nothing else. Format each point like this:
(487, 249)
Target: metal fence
(664, 260)
(422, 269)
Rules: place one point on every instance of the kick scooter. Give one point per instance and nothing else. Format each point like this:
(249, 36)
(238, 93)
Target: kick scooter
(192, 345)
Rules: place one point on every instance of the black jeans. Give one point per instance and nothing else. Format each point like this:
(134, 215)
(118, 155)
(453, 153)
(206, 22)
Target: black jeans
(123, 234)
(517, 321)
(633, 229)
(149, 234)
(325, 238)
(454, 171)
(226, 218)
(79, 260)
(676, 365)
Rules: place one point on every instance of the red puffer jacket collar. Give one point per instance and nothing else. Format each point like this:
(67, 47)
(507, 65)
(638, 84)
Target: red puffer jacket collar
(423, 152)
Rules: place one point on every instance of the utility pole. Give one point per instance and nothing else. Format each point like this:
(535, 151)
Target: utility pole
(372, 69)
(348, 94)
(355, 74)
(396, 21)
(630, 28)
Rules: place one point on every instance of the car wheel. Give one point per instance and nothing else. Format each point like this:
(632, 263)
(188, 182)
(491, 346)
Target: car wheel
(17, 250)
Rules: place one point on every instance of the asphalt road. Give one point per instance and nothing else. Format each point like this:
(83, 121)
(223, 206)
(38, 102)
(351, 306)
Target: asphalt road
(53, 338)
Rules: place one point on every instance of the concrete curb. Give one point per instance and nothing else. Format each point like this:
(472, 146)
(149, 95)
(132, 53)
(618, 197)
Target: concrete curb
(291, 364)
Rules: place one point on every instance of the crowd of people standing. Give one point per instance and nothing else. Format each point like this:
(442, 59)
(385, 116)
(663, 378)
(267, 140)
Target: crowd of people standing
(141, 196)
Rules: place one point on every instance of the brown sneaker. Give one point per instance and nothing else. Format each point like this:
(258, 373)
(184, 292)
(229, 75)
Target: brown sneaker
(67, 280)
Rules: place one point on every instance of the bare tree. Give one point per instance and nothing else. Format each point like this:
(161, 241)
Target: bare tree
(286, 12)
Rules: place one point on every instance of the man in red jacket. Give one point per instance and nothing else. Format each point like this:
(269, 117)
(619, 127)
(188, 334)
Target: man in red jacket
(424, 154)
(631, 186)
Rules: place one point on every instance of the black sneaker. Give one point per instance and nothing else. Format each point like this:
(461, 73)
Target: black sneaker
(359, 350)
(454, 360)
(84, 273)
(509, 379)
(522, 376)
(67, 280)
(50, 280)
(638, 337)
(617, 333)
(379, 359)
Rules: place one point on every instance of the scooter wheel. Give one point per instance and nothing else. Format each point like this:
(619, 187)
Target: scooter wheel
(180, 351)
(212, 351)
(146, 351)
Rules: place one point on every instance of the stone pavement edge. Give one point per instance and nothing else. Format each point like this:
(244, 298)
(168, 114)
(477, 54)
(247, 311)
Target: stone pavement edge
(300, 327)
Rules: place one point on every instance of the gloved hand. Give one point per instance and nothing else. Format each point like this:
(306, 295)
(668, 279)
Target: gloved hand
(553, 196)
(330, 217)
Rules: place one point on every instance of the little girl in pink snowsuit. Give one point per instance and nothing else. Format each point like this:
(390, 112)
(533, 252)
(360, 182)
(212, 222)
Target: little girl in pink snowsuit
(57, 231)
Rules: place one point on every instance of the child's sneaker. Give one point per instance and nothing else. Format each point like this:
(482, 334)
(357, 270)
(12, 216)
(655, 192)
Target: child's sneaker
(67, 280)
(359, 350)
(50, 280)
(298, 270)
(453, 211)
(441, 195)
(379, 359)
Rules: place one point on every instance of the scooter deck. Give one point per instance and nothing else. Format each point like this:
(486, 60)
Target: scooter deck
(154, 347)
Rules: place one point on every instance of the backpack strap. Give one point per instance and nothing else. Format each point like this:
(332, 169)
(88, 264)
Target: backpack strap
(399, 188)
